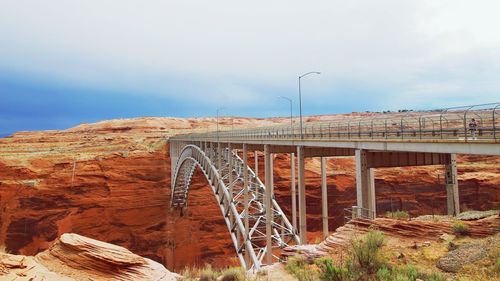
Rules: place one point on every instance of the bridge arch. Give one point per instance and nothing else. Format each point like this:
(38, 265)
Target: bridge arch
(228, 186)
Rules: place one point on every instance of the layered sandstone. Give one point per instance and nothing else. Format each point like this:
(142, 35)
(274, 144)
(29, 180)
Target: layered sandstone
(111, 181)
(75, 257)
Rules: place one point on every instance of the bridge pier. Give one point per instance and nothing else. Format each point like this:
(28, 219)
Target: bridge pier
(365, 185)
(267, 175)
(246, 200)
(451, 179)
(211, 154)
(324, 198)
(219, 156)
(294, 193)
(256, 161)
(302, 195)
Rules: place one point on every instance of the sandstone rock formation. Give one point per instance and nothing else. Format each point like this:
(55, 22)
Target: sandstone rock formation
(75, 257)
(110, 181)
(412, 232)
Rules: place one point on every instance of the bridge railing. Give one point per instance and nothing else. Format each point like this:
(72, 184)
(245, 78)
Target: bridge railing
(449, 124)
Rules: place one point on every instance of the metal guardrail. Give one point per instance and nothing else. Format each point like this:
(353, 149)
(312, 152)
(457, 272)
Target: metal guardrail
(450, 123)
(357, 212)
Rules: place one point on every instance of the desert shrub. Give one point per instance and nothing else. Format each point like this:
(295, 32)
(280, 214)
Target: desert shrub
(435, 277)
(298, 267)
(366, 251)
(384, 274)
(233, 274)
(410, 272)
(329, 272)
(460, 228)
(405, 273)
(208, 274)
(398, 215)
(497, 265)
(203, 274)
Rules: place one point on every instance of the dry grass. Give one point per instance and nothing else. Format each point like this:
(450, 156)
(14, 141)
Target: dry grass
(207, 273)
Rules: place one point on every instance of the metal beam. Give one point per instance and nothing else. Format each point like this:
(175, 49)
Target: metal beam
(382, 159)
(413, 145)
(327, 151)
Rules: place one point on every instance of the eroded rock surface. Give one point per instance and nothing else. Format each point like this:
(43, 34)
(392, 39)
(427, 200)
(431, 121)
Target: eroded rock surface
(75, 257)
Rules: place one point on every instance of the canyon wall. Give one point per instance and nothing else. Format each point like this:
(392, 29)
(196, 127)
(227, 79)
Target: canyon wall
(110, 181)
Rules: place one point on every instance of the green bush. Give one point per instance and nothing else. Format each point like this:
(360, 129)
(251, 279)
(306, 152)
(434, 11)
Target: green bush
(365, 251)
(233, 274)
(406, 273)
(298, 267)
(460, 228)
(384, 274)
(329, 272)
(398, 215)
(410, 271)
(497, 265)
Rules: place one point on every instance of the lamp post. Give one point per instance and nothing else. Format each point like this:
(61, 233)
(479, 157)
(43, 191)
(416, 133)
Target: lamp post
(300, 100)
(218, 109)
(291, 110)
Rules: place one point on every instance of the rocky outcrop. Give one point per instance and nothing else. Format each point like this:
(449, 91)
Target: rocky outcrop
(468, 253)
(465, 254)
(414, 232)
(75, 257)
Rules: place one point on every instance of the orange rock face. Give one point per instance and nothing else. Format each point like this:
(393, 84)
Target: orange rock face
(111, 181)
(76, 257)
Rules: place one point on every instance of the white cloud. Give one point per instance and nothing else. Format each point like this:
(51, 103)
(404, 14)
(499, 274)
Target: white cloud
(229, 46)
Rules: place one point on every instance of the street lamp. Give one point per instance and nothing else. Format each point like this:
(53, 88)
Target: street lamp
(300, 100)
(291, 110)
(218, 109)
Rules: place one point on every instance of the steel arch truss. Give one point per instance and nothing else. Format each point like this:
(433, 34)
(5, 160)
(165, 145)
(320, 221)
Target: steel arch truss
(227, 183)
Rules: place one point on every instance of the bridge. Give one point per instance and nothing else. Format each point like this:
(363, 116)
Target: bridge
(258, 226)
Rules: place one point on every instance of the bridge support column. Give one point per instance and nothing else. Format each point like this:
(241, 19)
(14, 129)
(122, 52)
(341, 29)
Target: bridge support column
(232, 219)
(256, 160)
(302, 196)
(230, 169)
(324, 198)
(365, 185)
(219, 156)
(294, 193)
(267, 175)
(452, 198)
(246, 199)
(271, 163)
(211, 153)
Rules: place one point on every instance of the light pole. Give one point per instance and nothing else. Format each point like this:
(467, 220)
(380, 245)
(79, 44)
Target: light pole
(300, 100)
(218, 109)
(291, 110)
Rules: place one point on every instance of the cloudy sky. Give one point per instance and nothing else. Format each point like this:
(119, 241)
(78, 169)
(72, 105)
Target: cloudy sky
(67, 62)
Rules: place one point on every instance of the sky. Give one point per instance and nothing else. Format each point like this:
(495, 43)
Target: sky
(63, 63)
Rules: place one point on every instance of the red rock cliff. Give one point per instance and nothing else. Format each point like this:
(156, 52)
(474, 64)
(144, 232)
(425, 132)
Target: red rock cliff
(110, 181)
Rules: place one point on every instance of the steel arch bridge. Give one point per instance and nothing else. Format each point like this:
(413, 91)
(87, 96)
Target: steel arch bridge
(241, 197)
